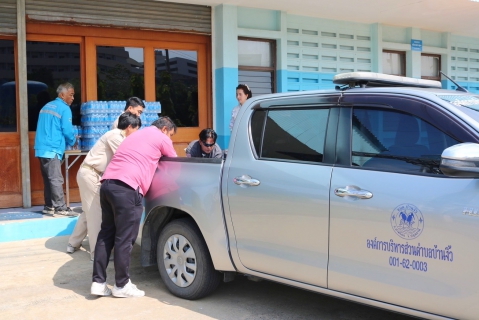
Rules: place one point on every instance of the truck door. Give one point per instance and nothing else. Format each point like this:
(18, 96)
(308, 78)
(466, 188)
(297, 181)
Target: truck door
(278, 191)
(398, 232)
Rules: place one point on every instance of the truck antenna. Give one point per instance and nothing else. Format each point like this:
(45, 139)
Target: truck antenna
(459, 87)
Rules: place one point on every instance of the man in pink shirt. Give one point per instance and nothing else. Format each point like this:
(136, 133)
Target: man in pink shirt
(124, 183)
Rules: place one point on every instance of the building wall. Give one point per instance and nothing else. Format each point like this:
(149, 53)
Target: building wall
(310, 51)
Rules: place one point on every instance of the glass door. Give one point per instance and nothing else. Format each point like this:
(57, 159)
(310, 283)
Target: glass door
(172, 74)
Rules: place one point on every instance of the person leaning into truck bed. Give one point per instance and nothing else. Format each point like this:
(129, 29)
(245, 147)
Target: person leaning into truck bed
(88, 178)
(205, 147)
(125, 181)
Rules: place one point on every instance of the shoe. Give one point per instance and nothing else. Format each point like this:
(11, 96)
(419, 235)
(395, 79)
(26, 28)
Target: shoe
(65, 213)
(71, 249)
(100, 289)
(48, 210)
(128, 291)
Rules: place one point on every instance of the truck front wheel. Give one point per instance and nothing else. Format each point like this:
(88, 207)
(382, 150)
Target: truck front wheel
(184, 261)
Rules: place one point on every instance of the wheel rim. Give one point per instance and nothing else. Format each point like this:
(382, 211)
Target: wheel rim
(180, 260)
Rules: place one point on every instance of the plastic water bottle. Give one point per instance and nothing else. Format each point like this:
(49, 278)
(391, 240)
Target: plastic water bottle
(75, 131)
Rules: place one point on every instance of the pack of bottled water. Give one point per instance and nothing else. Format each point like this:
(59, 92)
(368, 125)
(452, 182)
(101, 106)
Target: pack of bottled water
(151, 113)
(77, 132)
(98, 117)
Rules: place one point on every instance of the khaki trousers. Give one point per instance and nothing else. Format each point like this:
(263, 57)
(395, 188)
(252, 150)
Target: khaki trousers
(90, 220)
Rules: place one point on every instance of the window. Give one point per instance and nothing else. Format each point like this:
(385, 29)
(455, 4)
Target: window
(393, 141)
(177, 85)
(120, 73)
(430, 66)
(45, 75)
(394, 62)
(256, 65)
(290, 134)
(8, 97)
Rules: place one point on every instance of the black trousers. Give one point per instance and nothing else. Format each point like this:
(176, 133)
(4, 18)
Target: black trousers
(122, 208)
(52, 182)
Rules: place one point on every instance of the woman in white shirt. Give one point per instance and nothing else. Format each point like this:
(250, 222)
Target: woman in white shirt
(243, 93)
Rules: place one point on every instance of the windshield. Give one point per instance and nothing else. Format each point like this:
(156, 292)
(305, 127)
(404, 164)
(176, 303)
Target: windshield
(466, 103)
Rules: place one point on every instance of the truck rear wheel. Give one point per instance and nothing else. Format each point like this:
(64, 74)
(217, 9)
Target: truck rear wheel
(184, 261)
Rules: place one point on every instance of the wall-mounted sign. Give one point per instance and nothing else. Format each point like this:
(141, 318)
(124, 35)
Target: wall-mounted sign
(416, 45)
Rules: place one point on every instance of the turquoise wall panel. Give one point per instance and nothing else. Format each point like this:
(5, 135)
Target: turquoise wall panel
(226, 37)
(433, 39)
(472, 87)
(395, 34)
(281, 80)
(226, 81)
(464, 61)
(300, 81)
(316, 48)
(259, 19)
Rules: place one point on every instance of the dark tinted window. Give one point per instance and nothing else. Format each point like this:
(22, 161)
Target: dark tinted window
(257, 125)
(294, 134)
(50, 64)
(8, 97)
(176, 75)
(120, 73)
(390, 140)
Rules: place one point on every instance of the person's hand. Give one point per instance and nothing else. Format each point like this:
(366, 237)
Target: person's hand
(75, 146)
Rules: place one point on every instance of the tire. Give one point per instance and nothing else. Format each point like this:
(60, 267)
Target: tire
(184, 261)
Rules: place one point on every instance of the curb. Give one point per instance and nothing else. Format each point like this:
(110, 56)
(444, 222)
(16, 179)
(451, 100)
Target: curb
(36, 228)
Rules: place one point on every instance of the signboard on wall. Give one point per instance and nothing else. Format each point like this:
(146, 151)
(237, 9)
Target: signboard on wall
(416, 45)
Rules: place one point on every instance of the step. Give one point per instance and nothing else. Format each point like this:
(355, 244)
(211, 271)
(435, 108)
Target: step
(30, 223)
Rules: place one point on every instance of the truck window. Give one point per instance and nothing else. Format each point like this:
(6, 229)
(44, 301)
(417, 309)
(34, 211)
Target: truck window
(290, 134)
(395, 141)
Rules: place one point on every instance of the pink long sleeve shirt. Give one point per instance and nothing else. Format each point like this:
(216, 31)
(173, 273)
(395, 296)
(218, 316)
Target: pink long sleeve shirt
(136, 159)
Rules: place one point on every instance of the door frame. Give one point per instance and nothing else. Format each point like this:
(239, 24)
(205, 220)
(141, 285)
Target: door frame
(11, 140)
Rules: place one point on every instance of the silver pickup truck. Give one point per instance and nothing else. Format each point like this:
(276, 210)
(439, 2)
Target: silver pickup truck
(368, 193)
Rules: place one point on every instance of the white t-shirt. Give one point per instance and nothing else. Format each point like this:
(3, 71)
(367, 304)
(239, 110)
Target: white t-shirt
(234, 113)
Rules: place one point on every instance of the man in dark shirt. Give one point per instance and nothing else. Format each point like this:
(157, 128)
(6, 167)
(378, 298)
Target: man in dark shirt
(205, 147)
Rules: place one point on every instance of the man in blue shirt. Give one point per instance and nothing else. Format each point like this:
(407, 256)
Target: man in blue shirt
(54, 132)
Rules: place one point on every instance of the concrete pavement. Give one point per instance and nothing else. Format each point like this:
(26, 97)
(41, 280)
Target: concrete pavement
(39, 280)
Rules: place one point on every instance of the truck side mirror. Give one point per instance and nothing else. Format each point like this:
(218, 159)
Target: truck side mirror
(461, 160)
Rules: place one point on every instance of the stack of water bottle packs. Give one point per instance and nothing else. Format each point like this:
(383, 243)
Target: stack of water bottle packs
(98, 117)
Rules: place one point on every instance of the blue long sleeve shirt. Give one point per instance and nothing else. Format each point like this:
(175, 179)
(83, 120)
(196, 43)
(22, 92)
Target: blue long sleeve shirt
(54, 130)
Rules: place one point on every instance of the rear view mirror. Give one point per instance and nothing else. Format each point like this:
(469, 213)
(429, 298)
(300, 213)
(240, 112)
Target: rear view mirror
(461, 160)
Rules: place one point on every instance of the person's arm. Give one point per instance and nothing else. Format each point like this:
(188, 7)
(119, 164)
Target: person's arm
(188, 149)
(67, 127)
(217, 153)
(167, 148)
(114, 142)
(234, 113)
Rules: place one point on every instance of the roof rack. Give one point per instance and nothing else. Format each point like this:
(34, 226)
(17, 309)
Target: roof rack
(372, 79)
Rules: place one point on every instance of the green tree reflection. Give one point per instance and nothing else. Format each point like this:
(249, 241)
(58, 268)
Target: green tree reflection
(178, 96)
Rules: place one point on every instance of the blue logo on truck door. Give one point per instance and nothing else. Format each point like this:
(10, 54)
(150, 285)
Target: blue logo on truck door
(407, 221)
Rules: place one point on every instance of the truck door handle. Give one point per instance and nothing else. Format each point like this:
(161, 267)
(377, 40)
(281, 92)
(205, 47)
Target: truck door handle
(246, 180)
(353, 191)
